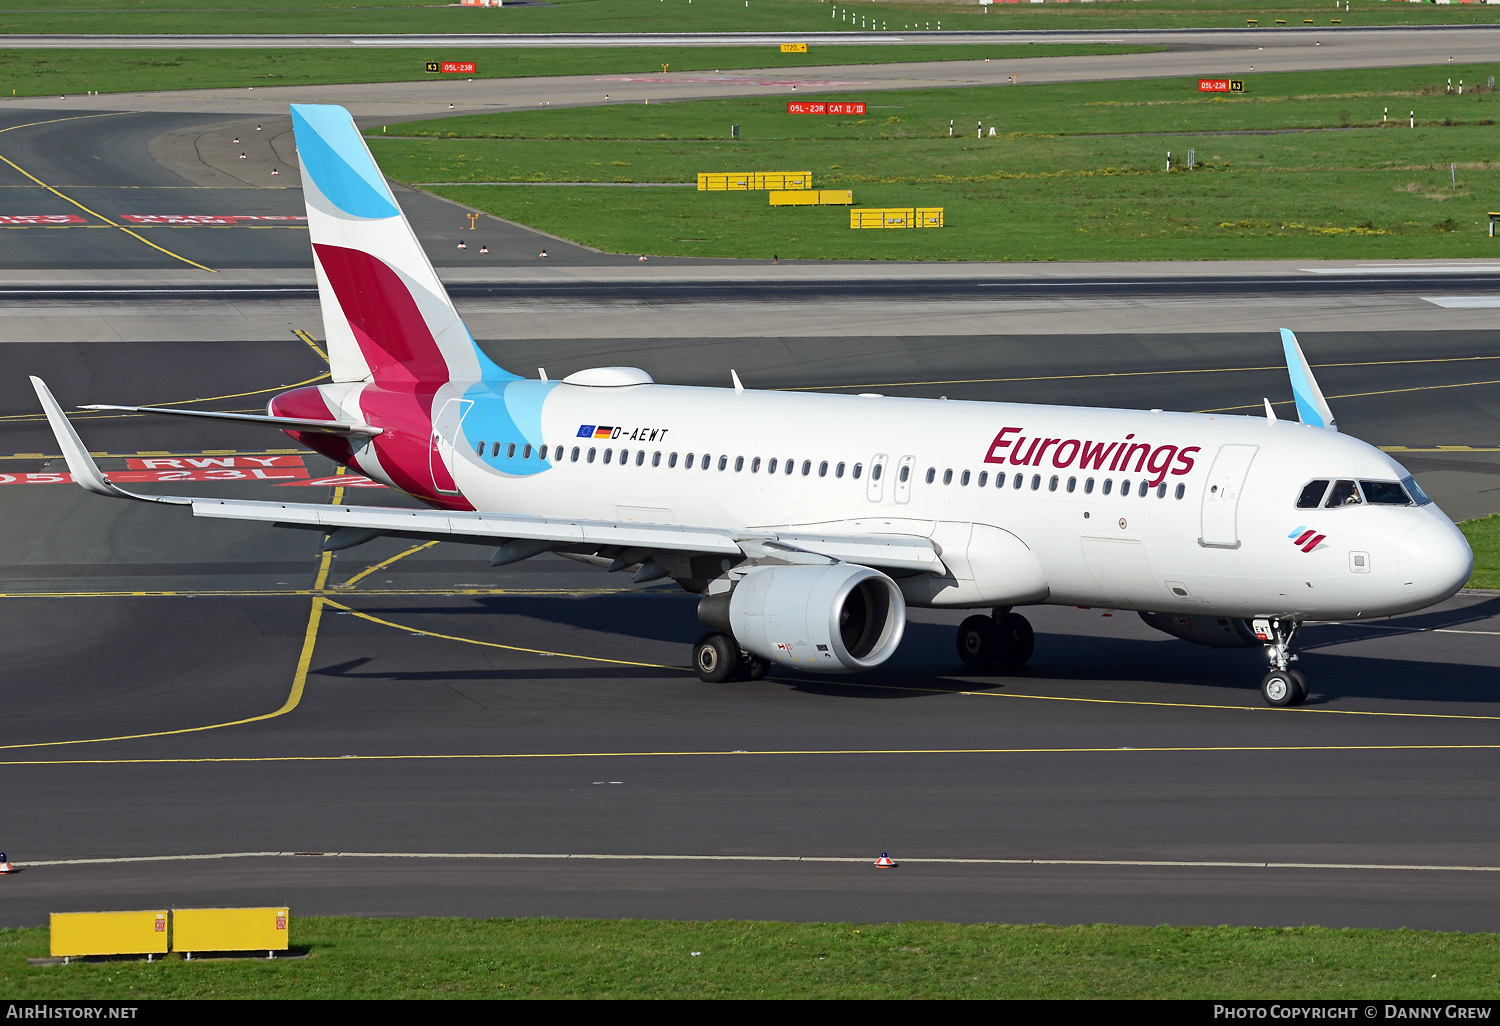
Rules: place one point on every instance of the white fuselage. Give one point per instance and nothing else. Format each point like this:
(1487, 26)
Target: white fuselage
(1129, 509)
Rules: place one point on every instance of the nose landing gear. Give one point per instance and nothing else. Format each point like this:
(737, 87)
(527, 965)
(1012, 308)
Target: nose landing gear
(1002, 640)
(1282, 686)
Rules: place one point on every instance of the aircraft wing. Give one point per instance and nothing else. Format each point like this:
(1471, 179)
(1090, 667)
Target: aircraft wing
(348, 525)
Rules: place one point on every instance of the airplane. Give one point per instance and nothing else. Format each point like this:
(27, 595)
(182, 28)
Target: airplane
(809, 523)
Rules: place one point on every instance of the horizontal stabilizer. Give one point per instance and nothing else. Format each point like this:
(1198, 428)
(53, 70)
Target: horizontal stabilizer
(1312, 408)
(327, 427)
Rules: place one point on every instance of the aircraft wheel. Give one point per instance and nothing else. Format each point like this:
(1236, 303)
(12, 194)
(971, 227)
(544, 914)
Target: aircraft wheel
(716, 658)
(1283, 688)
(1016, 639)
(1301, 686)
(753, 667)
(978, 642)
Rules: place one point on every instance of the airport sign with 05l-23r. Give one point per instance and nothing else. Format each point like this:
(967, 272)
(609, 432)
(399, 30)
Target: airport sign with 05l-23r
(1221, 85)
(820, 107)
(450, 67)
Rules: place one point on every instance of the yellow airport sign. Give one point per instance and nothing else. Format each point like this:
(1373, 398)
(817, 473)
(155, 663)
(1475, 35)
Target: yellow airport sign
(793, 47)
(896, 217)
(753, 181)
(230, 929)
(812, 198)
(76, 934)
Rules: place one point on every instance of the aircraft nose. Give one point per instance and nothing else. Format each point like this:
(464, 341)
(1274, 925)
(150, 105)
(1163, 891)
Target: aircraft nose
(1435, 560)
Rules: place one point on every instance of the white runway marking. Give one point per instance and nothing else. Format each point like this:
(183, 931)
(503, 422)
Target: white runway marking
(1464, 302)
(841, 859)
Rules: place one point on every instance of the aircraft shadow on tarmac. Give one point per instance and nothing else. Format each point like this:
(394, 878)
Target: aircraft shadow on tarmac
(926, 661)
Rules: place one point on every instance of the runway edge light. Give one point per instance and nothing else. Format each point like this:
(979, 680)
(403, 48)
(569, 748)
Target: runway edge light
(5, 866)
(884, 862)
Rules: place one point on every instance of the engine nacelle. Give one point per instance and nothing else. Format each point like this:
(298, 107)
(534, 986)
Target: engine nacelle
(824, 619)
(1213, 631)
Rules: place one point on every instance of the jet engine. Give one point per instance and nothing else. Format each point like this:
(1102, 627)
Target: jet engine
(1213, 631)
(830, 618)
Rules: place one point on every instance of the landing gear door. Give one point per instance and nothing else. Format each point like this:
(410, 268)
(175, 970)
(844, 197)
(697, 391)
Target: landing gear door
(1221, 497)
(875, 484)
(445, 427)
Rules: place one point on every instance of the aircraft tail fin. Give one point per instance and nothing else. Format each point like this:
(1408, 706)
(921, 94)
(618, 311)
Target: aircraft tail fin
(386, 316)
(1312, 408)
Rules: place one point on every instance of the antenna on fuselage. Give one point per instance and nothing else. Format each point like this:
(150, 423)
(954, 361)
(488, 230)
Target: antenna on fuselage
(1270, 413)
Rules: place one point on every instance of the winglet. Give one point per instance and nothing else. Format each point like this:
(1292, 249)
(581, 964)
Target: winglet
(1312, 408)
(82, 466)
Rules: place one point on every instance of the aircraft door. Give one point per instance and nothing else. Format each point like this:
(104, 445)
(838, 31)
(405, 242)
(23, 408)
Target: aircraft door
(1221, 497)
(444, 436)
(904, 472)
(875, 483)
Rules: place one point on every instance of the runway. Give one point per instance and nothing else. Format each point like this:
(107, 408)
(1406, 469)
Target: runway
(398, 730)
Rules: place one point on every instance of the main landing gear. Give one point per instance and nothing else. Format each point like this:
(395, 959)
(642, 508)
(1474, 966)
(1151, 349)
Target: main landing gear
(1003, 640)
(718, 658)
(1282, 686)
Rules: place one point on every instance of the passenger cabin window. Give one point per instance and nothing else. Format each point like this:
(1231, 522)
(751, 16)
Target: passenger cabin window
(905, 474)
(771, 467)
(755, 465)
(858, 469)
(807, 468)
(739, 464)
(823, 469)
(480, 450)
(984, 479)
(656, 459)
(931, 474)
(963, 479)
(838, 471)
(1343, 493)
(723, 462)
(672, 461)
(510, 451)
(494, 450)
(526, 452)
(947, 477)
(640, 457)
(1181, 490)
(874, 474)
(1312, 494)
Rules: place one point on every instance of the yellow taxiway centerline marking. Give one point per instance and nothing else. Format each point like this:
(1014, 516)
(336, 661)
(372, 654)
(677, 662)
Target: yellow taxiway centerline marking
(496, 644)
(116, 415)
(332, 590)
(304, 336)
(708, 753)
(1366, 395)
(1133, 374)
(351, 582)
(80, 206)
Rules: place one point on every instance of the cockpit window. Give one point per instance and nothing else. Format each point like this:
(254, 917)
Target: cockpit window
(1415, 491)
(1343, 493)
(1385, 493)
(1312, 494)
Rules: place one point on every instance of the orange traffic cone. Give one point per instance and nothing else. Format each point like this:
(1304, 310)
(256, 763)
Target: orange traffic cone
(884, 862)
(5, 867)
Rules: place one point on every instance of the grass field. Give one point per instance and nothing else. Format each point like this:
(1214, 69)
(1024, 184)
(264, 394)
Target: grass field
(44, 72)
(550, 958)
(1484, 539)
(425, 16)
(1299, 167)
